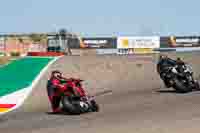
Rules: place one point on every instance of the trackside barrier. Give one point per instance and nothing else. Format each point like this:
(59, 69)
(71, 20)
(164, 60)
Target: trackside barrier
(45, 54)
(106, 51)
(132, 51)
(191, 49)
(165, 49)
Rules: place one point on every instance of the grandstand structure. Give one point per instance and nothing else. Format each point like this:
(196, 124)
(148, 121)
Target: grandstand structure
(34, 42)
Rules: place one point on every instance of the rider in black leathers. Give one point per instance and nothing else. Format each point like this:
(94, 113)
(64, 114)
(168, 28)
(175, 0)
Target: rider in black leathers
(165, 62)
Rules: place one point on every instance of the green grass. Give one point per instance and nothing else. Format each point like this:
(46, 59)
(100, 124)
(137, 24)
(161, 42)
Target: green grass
(20, 73)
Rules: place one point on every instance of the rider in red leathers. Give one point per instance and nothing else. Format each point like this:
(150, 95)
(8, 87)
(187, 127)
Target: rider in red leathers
(54, 87)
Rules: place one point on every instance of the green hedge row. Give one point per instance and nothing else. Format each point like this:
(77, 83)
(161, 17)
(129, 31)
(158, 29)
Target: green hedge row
(15, 53)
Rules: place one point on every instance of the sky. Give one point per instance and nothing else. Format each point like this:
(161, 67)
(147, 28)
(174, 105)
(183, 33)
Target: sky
(102, 17)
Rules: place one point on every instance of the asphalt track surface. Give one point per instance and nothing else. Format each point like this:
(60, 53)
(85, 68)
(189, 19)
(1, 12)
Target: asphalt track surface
(135, 100)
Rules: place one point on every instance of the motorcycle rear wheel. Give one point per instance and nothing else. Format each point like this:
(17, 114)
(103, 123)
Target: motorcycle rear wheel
(197, 86)
(180, 87)
(69, 107)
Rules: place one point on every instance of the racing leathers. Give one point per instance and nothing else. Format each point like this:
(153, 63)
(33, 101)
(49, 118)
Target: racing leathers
(54, 88)
(164, 64)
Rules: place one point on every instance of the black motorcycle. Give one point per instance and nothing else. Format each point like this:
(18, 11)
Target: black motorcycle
(182, 81)
(74, 104)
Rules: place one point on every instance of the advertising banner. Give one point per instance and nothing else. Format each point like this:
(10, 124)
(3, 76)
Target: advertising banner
(98, 43)
(138, 42)
(190, 41)
(126, 51)
(144, 51)
(136, 51)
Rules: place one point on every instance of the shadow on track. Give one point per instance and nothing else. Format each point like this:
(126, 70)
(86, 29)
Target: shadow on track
(62, 113)
(166, 91)
(68, 114)
(175, 92)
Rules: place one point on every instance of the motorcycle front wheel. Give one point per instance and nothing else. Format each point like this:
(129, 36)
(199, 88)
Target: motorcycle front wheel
(95, 106)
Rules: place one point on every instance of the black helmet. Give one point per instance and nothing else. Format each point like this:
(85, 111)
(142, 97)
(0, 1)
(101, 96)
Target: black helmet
(179, 60)
(56, 74)
(162, 56)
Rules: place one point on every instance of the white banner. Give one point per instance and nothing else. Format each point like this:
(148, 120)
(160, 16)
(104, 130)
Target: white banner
(138, 42)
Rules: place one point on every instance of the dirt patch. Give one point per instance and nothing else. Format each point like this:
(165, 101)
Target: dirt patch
(5, 60)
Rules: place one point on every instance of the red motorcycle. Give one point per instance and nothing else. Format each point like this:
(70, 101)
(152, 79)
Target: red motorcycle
(74, 99)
